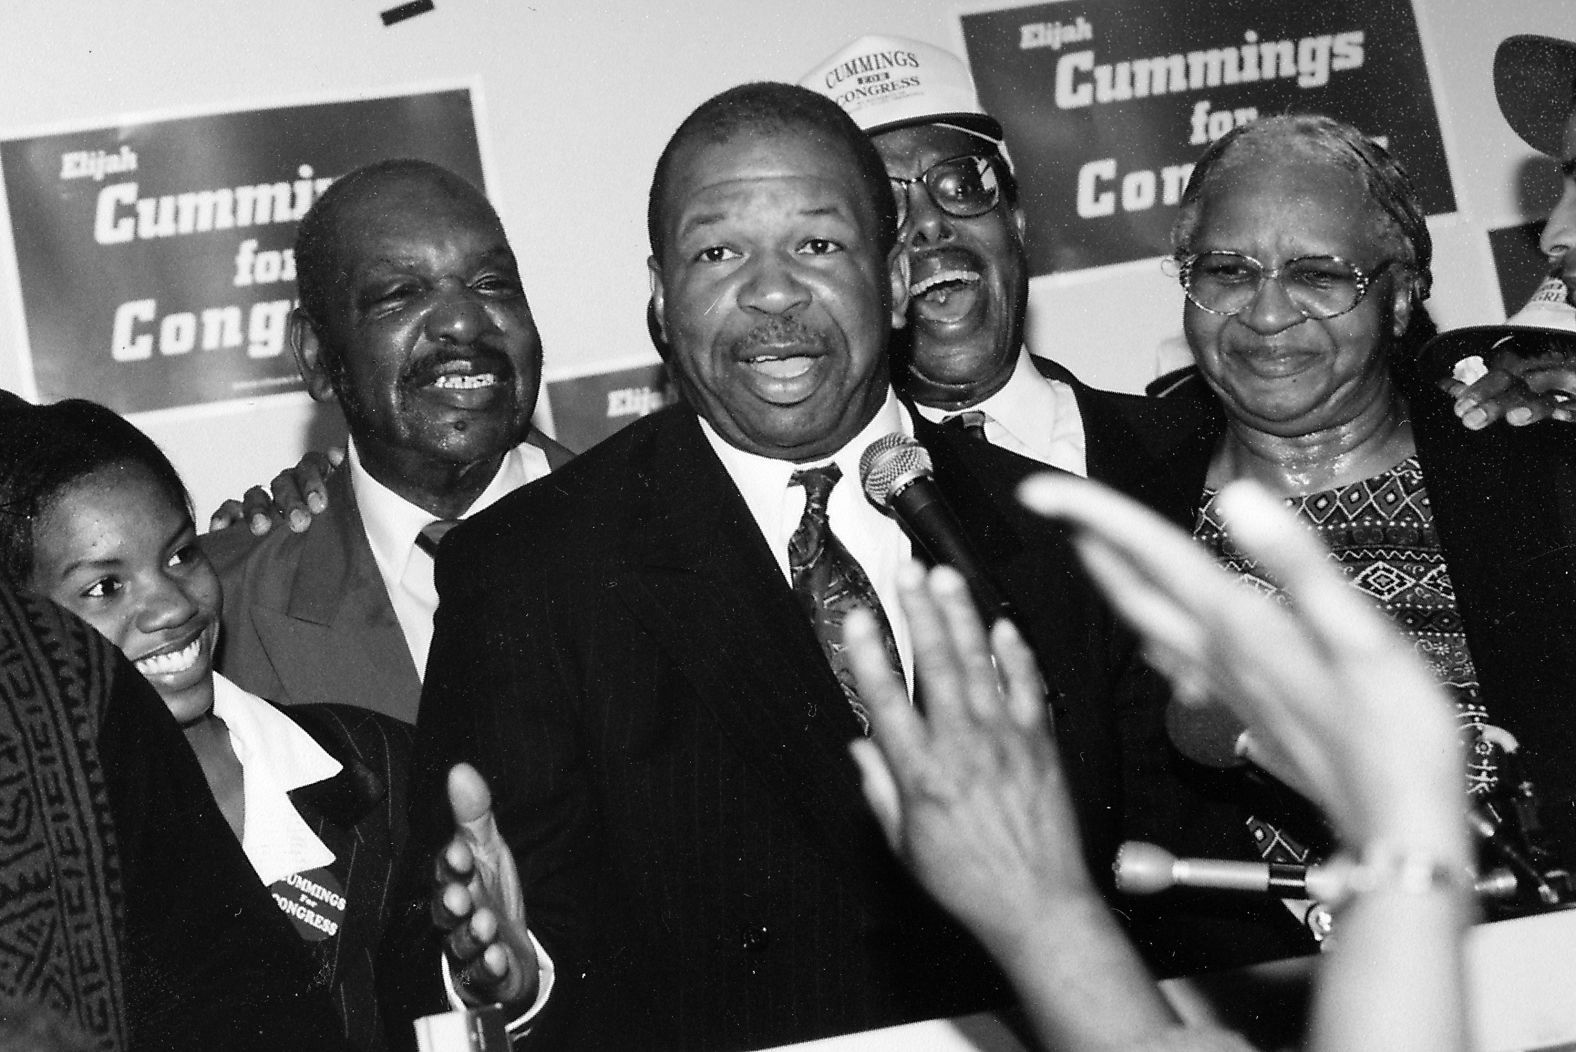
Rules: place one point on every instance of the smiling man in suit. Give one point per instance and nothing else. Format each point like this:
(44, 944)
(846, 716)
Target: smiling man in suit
(641, 655)
(413, 319)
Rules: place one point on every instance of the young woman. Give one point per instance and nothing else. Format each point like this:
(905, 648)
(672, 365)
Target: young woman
(94, 516)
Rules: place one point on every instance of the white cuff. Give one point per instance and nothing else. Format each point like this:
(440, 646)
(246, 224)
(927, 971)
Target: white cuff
(520, 1024)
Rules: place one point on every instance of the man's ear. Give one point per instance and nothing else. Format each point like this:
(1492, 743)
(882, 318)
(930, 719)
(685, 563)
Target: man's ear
(310, 355)
(656, 310)
(897, 265)
(1019, 222)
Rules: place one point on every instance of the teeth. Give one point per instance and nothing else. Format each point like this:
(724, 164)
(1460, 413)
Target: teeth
(465, 382)
(967, 277)
(177, 661)
(782, 368)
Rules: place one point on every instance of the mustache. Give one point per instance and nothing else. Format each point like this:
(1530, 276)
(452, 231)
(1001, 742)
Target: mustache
(427, 368)
(779, 332)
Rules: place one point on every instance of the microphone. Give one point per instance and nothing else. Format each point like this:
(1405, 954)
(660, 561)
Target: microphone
(1145, 869)
(896, 473)
(1212, 735)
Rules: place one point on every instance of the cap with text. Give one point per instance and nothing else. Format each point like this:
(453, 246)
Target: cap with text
(1535, 83)
(892, 82)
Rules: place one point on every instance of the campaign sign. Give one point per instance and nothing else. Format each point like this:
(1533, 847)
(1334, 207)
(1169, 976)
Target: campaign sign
(1107, 103)
(587, 409)
(155, 257)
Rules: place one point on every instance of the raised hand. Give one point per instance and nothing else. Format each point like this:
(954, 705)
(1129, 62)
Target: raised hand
(970, 793)
(1334, 700)
(477, 899)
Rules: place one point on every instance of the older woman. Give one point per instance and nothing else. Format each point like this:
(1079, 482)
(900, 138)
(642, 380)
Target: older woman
(1304, 256)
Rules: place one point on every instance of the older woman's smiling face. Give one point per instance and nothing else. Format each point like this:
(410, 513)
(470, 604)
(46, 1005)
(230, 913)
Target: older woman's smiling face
(1274, 369)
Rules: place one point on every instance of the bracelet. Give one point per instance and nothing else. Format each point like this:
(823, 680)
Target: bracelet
(1383, 868)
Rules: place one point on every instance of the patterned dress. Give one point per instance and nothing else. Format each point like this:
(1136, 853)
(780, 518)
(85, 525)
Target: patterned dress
(1380, 531)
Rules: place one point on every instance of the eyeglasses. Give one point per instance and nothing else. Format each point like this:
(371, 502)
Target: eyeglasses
(964, 186)
(1318, 286)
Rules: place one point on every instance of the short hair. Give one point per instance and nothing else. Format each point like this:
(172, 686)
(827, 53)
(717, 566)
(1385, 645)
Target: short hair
(1403, 227)
(45, 449)
(766, 108)
(317, 271)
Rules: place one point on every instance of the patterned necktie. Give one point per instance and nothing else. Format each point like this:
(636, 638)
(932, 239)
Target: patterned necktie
(971, 422)
(831, 582)
(432, 533)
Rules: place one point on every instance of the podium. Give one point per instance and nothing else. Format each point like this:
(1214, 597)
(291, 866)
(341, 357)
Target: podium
(1521, 980)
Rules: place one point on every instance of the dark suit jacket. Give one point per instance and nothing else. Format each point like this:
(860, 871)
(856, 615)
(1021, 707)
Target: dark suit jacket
(618, 653)
(1142, 445)
(1504, 503)
(307, 619)
(360, 815)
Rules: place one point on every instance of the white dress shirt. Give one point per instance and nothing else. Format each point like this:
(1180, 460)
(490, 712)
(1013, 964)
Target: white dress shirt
(276, 756)
(392, 523)
(871, 536)
(1033, 416)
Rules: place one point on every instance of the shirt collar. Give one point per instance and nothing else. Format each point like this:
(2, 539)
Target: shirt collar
(763, 481)
(1026, 405)
(1023, 405)
(392, 522)
(276, 756)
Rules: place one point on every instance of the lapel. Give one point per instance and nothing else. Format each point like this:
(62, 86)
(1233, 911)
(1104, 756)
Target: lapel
(708, 590)
(338, 603)
(965, 473)
(332, 809)
(1155, 450)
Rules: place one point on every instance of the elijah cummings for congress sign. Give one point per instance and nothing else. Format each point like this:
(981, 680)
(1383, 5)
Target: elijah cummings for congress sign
(155, 257)
(1107, 103)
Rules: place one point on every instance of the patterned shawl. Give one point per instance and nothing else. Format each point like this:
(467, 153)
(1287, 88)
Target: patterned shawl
(61, 915)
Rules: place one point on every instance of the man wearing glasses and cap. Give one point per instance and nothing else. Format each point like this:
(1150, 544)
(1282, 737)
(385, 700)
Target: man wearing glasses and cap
(966, 362)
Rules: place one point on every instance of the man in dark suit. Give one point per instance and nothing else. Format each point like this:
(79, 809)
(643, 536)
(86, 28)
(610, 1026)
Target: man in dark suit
(630, 657)
(414, 321)
(963, 357)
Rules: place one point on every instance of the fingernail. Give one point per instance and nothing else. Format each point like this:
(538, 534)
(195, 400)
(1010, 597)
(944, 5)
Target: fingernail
(316, 502)
(299, 520)
(1519, 416)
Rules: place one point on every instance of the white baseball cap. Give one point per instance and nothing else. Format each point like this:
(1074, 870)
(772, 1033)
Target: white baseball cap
(892, 82)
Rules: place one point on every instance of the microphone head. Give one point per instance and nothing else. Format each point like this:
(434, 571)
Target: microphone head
(1206, 734)
(889, 464)
(1142, 868)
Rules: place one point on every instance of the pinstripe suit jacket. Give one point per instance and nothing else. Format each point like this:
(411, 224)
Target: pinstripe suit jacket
(360, 814)
(618, 653)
